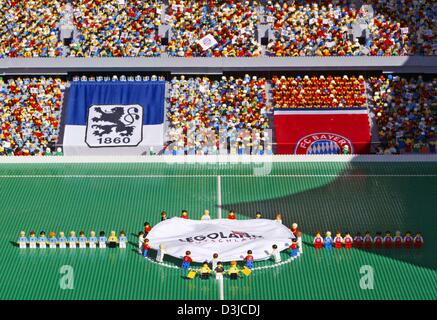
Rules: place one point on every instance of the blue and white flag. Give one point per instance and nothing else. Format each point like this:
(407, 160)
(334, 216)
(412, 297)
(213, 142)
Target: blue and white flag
(115, 117)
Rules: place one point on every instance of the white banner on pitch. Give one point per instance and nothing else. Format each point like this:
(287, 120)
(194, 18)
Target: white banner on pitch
(207, 42)
(231, 239)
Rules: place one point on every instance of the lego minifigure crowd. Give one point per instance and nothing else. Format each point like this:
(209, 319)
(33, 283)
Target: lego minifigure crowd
(418, 16)
(405, 111)
(130, 28)
(116, 29)
(31, 28)
(205, 115)
(319, 92)
(74, 241)
(230, 115)
(232, 23)
(30, 110)
(311, 29)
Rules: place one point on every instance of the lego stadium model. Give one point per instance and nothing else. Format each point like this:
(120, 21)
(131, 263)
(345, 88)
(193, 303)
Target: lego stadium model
(218, 150)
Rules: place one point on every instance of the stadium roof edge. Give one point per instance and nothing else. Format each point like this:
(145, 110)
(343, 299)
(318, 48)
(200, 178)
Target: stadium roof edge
(399, 64)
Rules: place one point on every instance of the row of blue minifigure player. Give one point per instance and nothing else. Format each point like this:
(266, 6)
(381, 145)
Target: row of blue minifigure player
(72, 241)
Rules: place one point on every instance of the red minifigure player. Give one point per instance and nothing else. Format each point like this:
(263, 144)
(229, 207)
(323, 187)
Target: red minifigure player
(186, 261)
(408, 240)
(338, 241)
(296, 232)
(146, 248)
(358, 241)
(388, 240)
(398, 241)
(232, 216)
(318, 241)
(418, 241)
(147, 228)
(348, 241)
(294, 249)
(294, 229)
(184, 214)
(249, 259)
(378, 240)
(368, 240)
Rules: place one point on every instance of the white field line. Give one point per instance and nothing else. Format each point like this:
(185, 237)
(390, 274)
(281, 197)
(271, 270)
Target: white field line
(94, 176)
(221, 284)
(221, 288)
(219, 197)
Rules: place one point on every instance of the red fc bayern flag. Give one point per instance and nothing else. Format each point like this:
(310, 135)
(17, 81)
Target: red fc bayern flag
(322, 132)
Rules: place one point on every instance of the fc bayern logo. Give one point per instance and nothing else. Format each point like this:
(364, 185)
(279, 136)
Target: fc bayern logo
(114, 126)
(324, 143)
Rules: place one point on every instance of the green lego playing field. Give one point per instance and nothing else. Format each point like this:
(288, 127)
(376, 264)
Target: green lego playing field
(319, 196)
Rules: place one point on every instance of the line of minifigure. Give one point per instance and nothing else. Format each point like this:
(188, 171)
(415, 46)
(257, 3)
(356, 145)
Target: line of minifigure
(205, 271)
(206, 216)
(234, 271)
(367, 241)
(72, 241)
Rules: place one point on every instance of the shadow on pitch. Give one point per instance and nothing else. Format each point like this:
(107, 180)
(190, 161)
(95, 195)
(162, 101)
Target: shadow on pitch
(361, 200)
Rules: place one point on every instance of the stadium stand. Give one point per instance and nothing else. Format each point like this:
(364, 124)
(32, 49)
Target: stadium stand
(418, 16)
(216, 28)
(406, 114)
(319, 92)
(126, 29)
(30, 28)
(205, 115)
(304, 29)
(231, 23)
(30, 115)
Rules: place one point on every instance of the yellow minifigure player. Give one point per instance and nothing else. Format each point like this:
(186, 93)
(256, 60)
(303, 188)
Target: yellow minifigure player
(233, 270)
(112, 240)
(205, 271)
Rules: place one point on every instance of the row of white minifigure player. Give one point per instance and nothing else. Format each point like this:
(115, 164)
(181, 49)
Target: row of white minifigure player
(72, 242)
